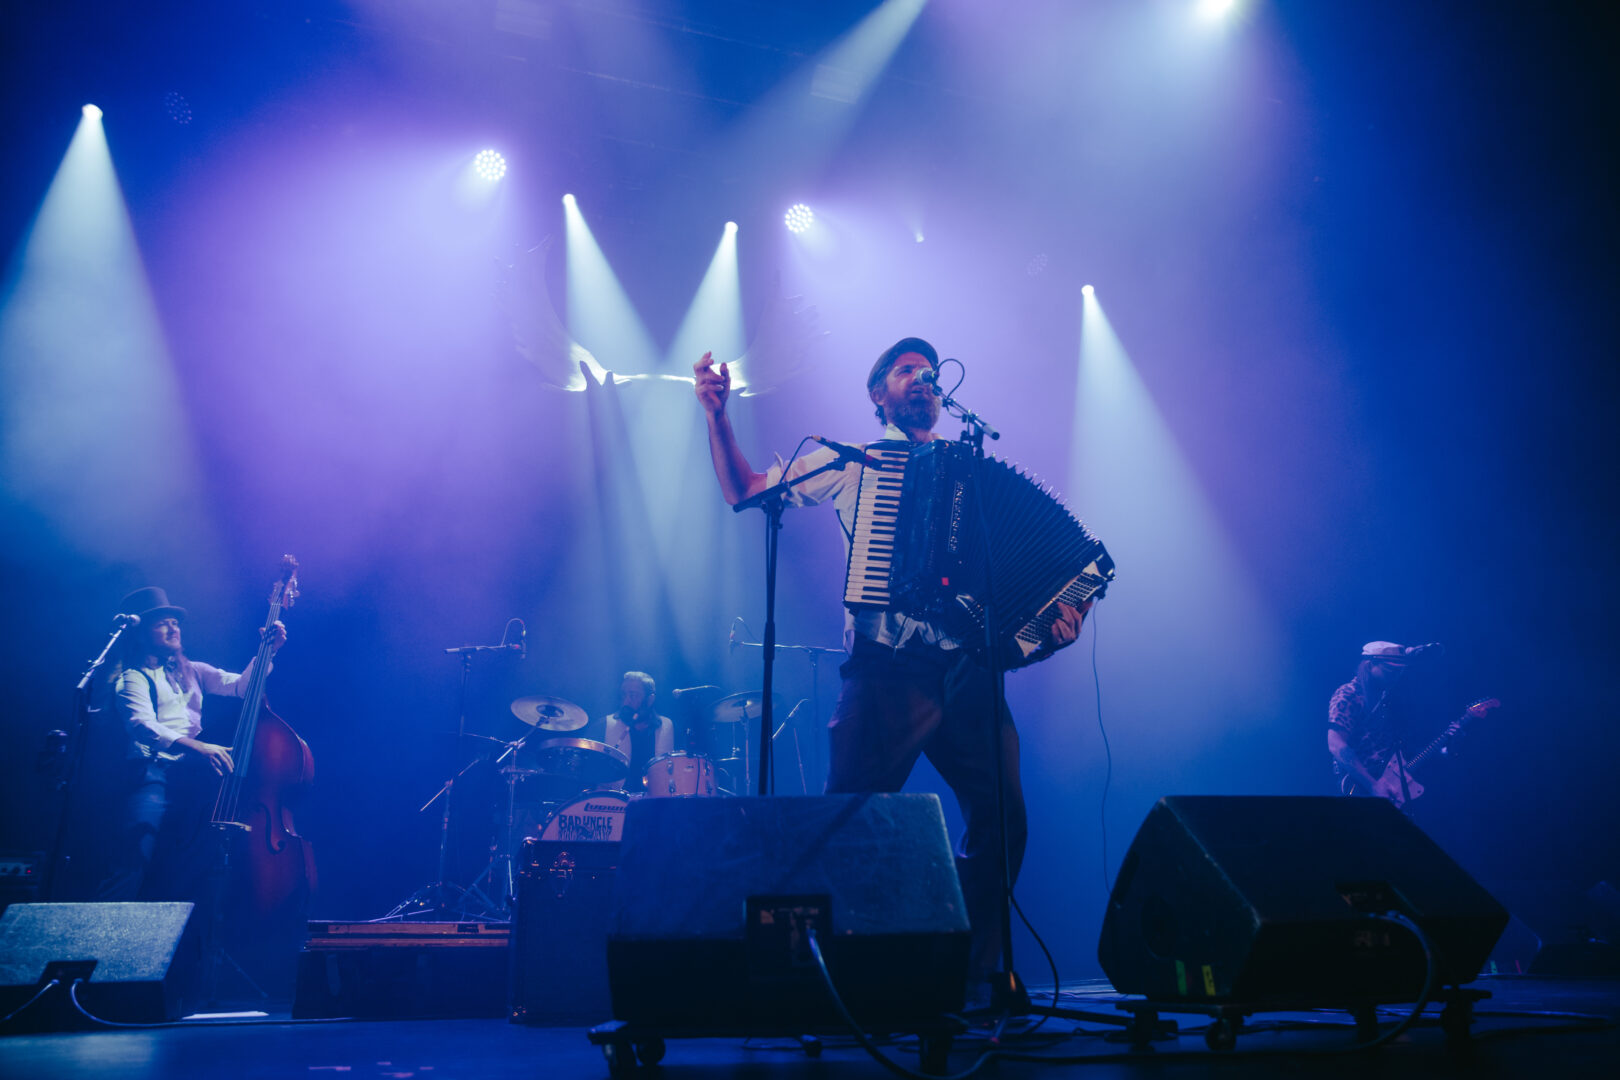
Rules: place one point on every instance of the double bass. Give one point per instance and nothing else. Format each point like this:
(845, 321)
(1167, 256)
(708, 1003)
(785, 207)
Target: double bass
(264, 870)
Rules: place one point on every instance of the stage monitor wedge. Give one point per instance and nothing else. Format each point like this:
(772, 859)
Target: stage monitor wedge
(1264, 899)
(715, 898)
(136, 956)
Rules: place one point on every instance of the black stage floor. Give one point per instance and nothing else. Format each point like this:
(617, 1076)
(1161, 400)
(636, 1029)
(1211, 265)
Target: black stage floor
(1529, 1026)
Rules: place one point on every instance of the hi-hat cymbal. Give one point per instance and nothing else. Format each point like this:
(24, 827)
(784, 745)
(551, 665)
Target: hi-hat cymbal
(744, 706)
(549, 713)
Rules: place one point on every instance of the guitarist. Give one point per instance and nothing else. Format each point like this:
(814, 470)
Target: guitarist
(1367, 727)
(159, 697)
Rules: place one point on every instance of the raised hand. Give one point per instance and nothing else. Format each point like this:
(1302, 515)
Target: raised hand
(713, 384)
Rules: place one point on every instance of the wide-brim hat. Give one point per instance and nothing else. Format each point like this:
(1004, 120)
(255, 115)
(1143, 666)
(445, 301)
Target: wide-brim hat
(894, 352)
(1386, 651)
(150, 603)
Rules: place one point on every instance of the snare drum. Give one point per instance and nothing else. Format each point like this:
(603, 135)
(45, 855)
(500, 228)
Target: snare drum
(595, 815)
(680, 773)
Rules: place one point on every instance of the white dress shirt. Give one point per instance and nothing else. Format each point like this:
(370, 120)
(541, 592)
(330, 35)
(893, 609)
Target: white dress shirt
(842, 486)
(178, 714)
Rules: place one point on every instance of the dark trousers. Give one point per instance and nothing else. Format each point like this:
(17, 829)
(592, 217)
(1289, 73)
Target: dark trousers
(893, 707)
(161, 851)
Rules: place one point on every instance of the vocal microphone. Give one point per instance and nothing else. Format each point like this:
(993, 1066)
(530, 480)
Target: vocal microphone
(852, 454)
(731, 638)
(930, 379)
(1433, 648)
(523, 640)
(692, 689)
(125, 622)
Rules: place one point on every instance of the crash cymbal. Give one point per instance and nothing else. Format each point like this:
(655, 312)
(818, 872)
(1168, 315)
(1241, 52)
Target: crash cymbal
(744, 706)
(549, 713)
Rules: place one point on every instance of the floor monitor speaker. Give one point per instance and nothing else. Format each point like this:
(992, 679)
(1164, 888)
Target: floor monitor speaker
(715, 900)
(1268, 899)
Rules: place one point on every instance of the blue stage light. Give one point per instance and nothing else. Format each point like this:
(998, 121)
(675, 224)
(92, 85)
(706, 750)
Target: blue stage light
(798, 218)
(93, 112)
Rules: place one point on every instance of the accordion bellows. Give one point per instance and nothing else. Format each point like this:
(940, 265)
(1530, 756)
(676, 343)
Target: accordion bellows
(943, 536)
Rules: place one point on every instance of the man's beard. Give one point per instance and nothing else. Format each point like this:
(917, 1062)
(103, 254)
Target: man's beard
(914, 411)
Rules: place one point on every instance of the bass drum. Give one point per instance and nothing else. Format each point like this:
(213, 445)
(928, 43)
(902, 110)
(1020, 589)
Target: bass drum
(593, 816)
(680, 773)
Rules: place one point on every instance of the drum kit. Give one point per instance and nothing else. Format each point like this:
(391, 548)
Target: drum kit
(563, 786)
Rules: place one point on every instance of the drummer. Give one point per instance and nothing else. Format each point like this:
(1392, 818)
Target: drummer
(636, 730)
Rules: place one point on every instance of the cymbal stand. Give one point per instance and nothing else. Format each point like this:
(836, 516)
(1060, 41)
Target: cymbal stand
(504, 858)
(442, 896)
(813, 653)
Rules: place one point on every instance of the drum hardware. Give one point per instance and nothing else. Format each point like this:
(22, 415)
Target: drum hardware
(549, 713)
(814, 654)
(443, 896)
(739, 712)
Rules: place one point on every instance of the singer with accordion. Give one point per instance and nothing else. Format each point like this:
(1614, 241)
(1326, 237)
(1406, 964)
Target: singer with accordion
(936, 543)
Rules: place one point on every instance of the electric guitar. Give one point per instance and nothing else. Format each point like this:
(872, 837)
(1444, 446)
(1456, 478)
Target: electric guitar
(1390, 777)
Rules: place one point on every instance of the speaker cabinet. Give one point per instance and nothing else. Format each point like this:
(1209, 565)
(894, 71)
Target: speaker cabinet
(560, 931)
(1264, 899)
(133, 958)
(716, 899)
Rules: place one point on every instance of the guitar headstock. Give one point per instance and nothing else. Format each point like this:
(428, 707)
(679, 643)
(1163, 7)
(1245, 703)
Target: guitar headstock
(1479, 708)
(285, 590)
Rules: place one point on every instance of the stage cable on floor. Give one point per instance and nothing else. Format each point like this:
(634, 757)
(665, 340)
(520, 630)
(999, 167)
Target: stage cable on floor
(866, 1040)
(1051, 963)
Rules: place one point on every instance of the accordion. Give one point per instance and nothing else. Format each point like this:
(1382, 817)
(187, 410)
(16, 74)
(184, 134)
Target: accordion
(946, 537)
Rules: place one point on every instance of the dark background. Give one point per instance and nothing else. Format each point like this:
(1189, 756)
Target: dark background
(1361, 257)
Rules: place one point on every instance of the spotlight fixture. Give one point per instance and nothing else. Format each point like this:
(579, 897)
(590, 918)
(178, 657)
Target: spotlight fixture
(1037, 265)
(1086, 290)
(93, 112)
(489, 165)
(731, 226)
(568, 200)
(798, 218)
(178, 108)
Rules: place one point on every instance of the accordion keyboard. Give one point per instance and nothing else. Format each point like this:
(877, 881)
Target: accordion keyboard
(877, 515)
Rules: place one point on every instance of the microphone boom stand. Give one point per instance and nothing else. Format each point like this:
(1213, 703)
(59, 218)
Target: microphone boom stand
(82, 691)
(1008, 996)
(442, 894)
(770, 501)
